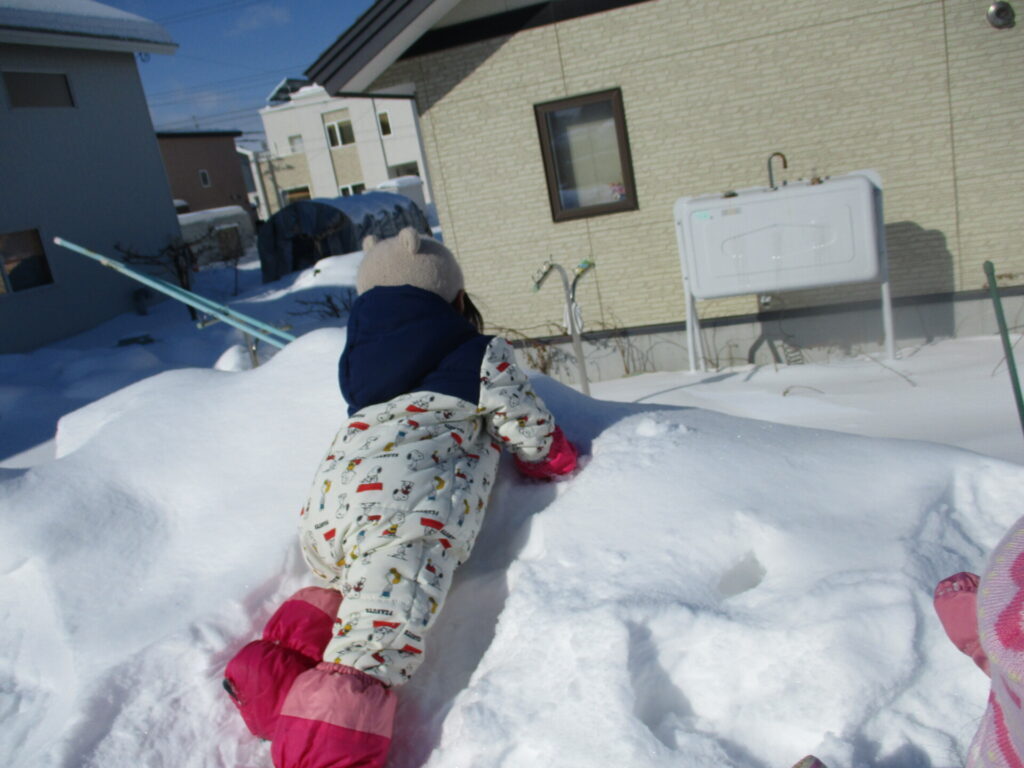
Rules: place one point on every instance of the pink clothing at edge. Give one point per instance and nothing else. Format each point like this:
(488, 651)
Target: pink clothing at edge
(1000, 738)
(985, 619)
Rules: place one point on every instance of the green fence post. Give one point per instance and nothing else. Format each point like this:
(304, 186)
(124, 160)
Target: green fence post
(1011, 365)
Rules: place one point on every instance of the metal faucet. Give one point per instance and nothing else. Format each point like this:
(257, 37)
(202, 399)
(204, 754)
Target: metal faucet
(771, 175)
(571, 310)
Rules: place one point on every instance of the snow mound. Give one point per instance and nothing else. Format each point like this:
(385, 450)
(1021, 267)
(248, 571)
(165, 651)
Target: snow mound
(707, 589)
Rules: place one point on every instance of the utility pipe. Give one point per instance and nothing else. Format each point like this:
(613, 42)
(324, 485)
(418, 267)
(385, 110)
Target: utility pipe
(268, 333)
(577, 344)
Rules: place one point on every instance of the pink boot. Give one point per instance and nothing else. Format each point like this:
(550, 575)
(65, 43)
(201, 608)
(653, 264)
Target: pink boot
(956, 603)
(334, 717)
(261, 674)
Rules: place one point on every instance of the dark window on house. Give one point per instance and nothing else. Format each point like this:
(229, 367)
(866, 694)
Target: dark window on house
(403, 169)
(586, 156)
(37, 89)
(23, 262)
(295, 193)
(204, 178)
(340, 133)
(352, 189)
(385, 123)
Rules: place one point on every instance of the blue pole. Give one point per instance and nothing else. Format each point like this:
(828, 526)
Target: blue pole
(273, 336)
(176, 291)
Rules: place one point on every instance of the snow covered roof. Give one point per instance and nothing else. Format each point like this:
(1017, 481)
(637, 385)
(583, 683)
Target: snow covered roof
(283, 91)
(186, 134)
(80, 24)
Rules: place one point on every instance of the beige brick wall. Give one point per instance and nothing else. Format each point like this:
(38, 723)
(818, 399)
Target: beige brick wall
(925, 93)
(347, 168)
(345, 159)
(281, 173)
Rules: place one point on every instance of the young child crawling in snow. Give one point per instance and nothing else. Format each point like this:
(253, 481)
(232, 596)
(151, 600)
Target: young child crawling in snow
(395, 507)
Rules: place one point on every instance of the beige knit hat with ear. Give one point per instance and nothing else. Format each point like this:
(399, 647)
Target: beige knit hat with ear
(409, 259)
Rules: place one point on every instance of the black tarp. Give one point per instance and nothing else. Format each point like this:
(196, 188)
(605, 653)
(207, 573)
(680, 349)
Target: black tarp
(303, 232)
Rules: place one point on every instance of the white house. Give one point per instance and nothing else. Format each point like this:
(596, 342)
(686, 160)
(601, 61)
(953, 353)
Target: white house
(80, 161)
(323, 146)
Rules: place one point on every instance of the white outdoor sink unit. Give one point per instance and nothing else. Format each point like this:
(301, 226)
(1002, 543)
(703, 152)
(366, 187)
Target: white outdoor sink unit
(764, 240)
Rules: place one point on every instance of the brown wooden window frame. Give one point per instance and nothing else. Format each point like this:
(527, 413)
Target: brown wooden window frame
(629, 200)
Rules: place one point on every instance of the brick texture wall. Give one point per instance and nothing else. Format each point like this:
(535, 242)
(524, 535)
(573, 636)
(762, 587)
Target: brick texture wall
(926, 93)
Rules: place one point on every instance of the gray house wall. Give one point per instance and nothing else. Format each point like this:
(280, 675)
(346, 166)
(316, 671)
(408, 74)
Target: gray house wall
(91, 174)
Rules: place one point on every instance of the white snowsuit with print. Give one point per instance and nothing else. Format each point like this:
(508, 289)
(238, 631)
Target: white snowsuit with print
(398, 501)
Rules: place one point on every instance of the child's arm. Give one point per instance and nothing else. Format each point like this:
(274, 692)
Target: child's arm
(561, 459)
(518, 418)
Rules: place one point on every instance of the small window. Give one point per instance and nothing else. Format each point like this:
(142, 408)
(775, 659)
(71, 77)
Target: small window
(403, 169)
(23, 262)
(37, 89)
(295, 144)
(385, 123)
(351, 189)
(204, 178)
(586, 156)
(340, 133)
(293, 194)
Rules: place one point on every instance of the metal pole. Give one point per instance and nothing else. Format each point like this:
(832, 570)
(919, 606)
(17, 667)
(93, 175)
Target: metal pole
(577, 344)
(176, 291)
(887, 325)
(1011, 365)
(237, 319)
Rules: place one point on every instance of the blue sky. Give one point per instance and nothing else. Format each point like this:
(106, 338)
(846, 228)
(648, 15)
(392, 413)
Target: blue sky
(231, 55)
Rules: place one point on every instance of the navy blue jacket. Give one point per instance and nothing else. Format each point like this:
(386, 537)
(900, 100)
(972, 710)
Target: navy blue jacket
(404, 339)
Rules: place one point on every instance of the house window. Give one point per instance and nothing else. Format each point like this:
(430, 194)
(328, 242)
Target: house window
(403, 169)
(586, 155)
(351, 189)
(295, 144)
(340, 133)
(23, 262)
(293, 194)
(37, 89)
(385, 123)
(204, 178)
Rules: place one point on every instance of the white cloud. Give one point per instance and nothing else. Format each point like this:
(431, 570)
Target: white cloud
(259, 16)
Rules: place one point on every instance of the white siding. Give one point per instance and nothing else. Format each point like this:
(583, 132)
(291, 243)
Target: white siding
(91, 174)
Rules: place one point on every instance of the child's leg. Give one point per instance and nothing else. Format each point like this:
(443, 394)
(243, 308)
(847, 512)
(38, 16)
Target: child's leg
(382, 629)
(261, 674)
(956, 603)
(334, 717)
(341, 712)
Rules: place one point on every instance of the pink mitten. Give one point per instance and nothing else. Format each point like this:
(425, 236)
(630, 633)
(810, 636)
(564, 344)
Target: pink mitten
(561, 459)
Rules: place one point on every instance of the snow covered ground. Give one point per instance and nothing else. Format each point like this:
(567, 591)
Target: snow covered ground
(730, 579)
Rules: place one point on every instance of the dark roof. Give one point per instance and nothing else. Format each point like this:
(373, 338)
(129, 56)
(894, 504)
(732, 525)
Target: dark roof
(194, 134)
(358, 45)
(390, 29)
